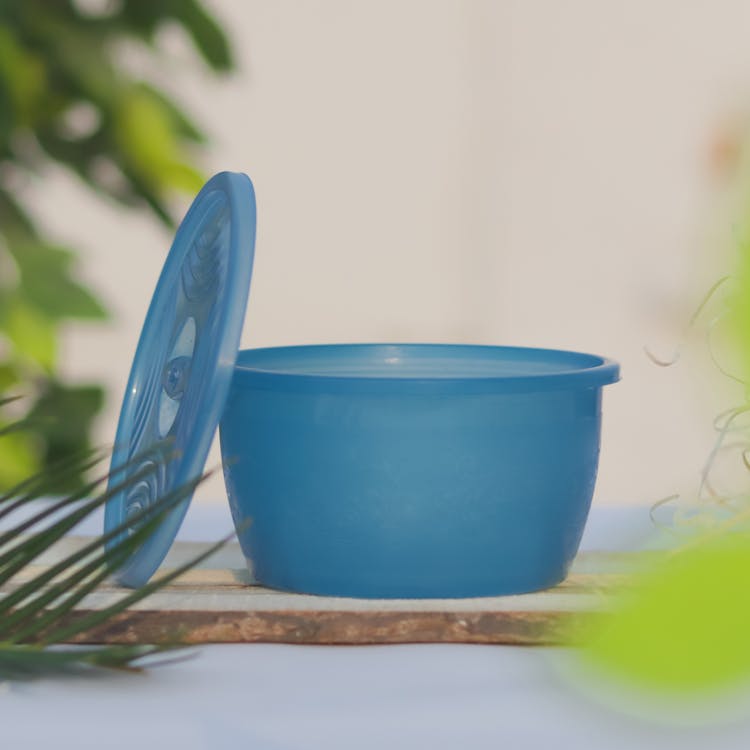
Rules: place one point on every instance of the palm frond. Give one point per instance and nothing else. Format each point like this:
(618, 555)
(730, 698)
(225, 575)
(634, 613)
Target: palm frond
(39, 613)
(29, 662)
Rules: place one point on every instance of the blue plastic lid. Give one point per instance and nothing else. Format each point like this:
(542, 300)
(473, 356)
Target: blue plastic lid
(183, 365)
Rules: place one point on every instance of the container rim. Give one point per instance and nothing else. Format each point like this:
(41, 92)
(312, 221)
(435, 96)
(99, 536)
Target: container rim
(578, 370)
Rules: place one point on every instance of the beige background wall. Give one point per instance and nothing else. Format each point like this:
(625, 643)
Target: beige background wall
(530, 172)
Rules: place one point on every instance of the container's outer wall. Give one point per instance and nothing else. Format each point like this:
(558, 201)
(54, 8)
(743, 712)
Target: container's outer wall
(386, 496)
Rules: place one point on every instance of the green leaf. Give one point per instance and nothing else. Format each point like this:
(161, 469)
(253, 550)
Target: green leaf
(9, 376)
(46, 281)
(151, 196)
(181, 122)
(206, 33)
(14, 221)
(62, 298)
(18, 458)
(182, 176)
(684, 627)
(5, 400)
(22, 77)
(31, 333)
(54, 57)
(208, 37)
(148, 136)
(67, 413)
(23, 662)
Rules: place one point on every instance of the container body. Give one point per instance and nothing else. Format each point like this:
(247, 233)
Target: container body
(389, 471)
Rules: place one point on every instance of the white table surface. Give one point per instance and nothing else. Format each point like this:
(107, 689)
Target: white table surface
(354, 698)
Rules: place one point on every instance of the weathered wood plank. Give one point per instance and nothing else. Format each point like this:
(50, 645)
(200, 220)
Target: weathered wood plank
(218, 602)
(339, 627)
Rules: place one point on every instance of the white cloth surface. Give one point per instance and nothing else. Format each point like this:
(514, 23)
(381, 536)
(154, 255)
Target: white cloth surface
(269, 697)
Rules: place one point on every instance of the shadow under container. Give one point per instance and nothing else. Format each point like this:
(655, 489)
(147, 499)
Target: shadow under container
(414, 470)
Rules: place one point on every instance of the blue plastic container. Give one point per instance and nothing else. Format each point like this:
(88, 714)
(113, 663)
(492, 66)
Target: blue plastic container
(412, 470)
(356, 470)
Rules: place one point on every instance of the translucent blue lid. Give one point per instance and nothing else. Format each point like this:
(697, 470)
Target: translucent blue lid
(183, 365)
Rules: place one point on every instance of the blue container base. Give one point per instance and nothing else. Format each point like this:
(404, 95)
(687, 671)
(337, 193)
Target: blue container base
(357, 587)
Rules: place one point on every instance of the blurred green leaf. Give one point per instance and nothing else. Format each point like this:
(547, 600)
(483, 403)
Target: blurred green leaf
(32, 334)
(22, 76)
(67, 413)
(147, 135)
(684, 627)
(47, 283)
(206, 33)
(18, 458)
(26, 662)
(209, 39)
(8, 377)
(180, 121)
(57, 60)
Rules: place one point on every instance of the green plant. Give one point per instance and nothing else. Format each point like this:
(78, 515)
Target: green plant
(679, 635)
(65, 99)
(38, 609)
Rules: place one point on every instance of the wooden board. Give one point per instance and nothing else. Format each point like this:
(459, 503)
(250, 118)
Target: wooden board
(219, 603)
